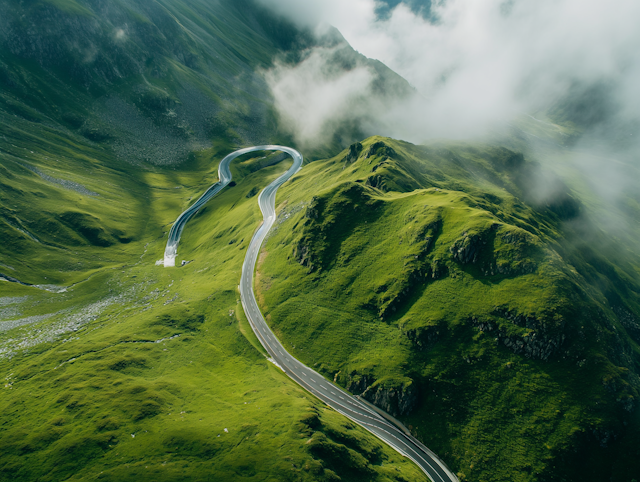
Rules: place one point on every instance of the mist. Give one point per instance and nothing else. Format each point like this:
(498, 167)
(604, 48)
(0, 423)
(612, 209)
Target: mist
(313, 93)
(479, 65)
(481, 69)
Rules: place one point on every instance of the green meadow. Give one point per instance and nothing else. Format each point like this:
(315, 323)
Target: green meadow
(428, 280)
(114, 368)
(139, 371)
(485, 298)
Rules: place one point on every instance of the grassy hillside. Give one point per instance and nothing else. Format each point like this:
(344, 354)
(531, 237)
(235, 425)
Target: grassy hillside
(500, 327)
(155, 80)
(101, 95)
(113, 117)
(141, 372)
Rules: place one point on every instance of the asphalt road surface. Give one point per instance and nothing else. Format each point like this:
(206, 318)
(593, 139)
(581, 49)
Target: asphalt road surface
(334, 396)
(224, 176)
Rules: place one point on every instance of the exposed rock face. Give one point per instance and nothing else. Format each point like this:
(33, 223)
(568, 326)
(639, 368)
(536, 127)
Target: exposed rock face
(396, 400)
(516, 252)
(377, 181)
(423, 337)
(438, 268)
(467, 248)
(313, 209)
(533, 346)
(380, 149)
(354, 152)
(539, 343)
(302, 251)
(498, 249)
(302, 255)
(357, 383)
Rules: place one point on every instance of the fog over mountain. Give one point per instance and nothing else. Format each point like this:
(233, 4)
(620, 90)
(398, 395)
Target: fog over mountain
(478, 65)
(482, 71)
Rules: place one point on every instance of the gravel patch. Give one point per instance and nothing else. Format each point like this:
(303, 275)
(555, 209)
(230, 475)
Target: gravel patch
(62, 324)
(29, 320)
(12, 300)
(70, 185)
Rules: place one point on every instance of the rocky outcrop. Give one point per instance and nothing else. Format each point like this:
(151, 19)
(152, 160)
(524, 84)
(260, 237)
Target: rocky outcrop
(539, 342)
(377, 181)
(302, 250)
(358, 383)
(466, 249)
(498, 249)
(301, 254)
(516, 251)
(354, 152)
(438, 268)
(532, 346)
(400, 399)
(313, 209)
(394, 399)
(423, 337)
(380, 149)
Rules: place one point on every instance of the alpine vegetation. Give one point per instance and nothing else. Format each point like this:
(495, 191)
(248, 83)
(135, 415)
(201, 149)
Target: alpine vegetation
(444, 284)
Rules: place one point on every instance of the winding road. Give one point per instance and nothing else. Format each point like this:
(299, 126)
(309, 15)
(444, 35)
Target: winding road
(334, 396)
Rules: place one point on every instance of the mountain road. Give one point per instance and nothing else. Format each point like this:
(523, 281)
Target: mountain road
(331, 394)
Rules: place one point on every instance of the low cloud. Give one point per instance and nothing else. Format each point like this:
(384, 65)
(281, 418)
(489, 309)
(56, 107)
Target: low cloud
(313, 93)
(482, 64)
(479, 68)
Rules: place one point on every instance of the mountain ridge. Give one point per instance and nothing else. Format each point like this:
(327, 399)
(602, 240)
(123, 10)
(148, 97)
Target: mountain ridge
(125, 370)
(423, 277)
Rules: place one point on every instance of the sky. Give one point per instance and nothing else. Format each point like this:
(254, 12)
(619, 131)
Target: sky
(477, 64)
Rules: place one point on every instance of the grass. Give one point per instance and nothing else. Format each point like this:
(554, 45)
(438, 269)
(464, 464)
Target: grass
(427, 278)
(145, 383)
(134, 370)
(86, 369)
(115, 368)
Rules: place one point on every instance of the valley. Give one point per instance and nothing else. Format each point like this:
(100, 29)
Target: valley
(484, 293)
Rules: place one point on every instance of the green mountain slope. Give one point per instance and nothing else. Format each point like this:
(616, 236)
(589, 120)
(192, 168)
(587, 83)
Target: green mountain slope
(95, 95)
(141, 372)
(113, 117)
(503, 331)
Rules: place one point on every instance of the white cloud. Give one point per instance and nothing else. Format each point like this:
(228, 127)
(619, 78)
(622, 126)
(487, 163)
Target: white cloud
(485, 62)
(313, 93)
(479, 67)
